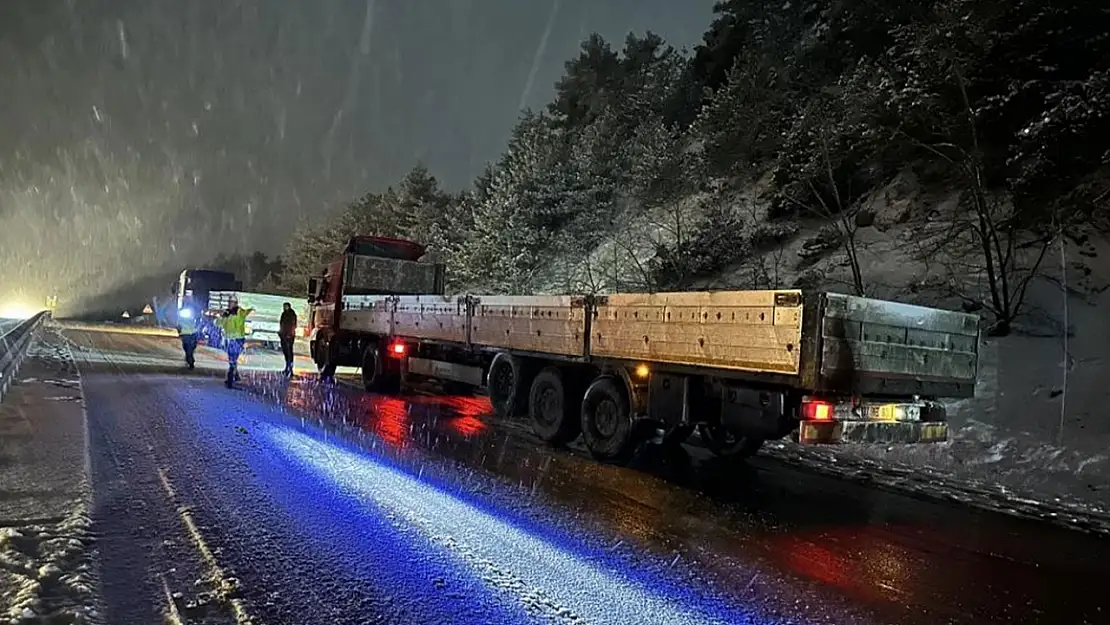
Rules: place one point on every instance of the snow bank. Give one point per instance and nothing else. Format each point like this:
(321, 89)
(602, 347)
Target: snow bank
(46, 567)
(49, 576)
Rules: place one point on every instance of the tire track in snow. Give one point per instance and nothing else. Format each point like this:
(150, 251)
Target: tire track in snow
(224, 584)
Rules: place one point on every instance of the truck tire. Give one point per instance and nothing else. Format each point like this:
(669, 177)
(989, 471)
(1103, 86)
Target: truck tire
(553, 411)
(376, 376)
(607, 426)
(726, 444)
(507, 384)
(327, 359)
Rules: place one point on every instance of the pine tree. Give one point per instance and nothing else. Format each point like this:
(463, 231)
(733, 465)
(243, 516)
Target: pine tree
(508, 239)
(419, 204)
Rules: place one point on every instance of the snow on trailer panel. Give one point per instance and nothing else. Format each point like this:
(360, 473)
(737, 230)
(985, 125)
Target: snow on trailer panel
(887, 348)
(546, 324)
(431, 317)
(754, 331)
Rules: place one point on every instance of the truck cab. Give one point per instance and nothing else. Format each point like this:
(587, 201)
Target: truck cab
(369, 266)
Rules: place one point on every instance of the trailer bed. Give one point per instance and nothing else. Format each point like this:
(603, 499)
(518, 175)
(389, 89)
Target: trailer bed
(817, 341)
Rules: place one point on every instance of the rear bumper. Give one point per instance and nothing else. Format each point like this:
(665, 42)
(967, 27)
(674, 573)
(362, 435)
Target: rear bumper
(872, 432)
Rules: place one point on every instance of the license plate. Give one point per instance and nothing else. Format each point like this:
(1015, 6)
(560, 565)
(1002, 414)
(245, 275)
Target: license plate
(894, 412)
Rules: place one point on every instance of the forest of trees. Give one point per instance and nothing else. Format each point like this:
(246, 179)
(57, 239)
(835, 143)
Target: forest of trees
(612, 186)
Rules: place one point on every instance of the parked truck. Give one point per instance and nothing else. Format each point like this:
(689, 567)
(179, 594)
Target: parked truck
(739, 367)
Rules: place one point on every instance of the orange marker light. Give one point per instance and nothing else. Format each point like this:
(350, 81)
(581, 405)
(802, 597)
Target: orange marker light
(817, 411)
(821, 412)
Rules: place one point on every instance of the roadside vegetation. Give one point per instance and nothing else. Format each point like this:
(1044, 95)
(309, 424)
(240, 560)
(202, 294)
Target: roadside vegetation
(777, 143)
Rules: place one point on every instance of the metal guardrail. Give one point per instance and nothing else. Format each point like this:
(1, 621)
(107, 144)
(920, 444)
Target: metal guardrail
(13, 348)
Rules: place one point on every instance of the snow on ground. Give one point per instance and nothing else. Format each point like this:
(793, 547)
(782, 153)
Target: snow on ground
(45, 563)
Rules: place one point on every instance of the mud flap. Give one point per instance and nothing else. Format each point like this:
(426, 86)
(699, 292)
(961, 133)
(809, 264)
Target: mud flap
(871, 432)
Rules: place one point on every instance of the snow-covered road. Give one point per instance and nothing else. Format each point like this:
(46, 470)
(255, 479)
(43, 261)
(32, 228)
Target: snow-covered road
(295, 503)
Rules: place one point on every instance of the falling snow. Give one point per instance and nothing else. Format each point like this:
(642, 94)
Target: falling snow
(135, 129)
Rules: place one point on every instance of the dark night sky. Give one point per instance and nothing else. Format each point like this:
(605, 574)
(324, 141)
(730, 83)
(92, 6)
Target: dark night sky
(142, 134)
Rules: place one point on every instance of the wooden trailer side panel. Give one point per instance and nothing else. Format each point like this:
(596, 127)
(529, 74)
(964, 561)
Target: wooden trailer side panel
(754, 331)
(431, 317)
(367, 313)
(545, 324)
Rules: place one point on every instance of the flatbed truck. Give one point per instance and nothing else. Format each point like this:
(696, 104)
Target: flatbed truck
(738, 367)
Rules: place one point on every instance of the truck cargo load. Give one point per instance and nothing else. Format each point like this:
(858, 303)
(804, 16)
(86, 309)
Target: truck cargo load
(264, 323)
(739, 367)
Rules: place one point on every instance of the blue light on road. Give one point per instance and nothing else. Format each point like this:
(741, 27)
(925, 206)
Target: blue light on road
(551, 583)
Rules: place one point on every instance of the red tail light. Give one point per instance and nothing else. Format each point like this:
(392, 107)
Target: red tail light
(397, 349)
(816, 410)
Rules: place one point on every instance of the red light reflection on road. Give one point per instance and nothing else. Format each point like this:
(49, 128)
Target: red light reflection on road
(394, 419)
(390, 419)
(461, 411)
(851, 560)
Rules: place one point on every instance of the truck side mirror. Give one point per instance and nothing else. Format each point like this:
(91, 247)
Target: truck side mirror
(312, 284)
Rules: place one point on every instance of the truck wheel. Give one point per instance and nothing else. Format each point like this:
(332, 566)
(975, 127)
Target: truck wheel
(607, 427)
(327, 364)
(506, 383)
(552, 410)
(376, 377)
(724, 443)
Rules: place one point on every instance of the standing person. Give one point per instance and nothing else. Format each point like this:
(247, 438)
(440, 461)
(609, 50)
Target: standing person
(287, 332)
(233, 325)
(187, 330)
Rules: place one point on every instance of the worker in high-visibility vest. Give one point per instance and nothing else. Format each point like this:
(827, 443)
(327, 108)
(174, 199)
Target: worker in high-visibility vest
(187, 330)
(233, 325)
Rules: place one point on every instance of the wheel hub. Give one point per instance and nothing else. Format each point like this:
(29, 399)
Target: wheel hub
(605, 418)
(504, 380)
(550, 405)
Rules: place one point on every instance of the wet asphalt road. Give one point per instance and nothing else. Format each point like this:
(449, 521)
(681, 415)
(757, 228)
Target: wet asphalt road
(328, 505)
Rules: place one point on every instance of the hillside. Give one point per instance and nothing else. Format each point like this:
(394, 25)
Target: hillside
(657, 169)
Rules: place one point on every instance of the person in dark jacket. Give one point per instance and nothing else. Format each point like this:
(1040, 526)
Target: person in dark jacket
(187, 330)
(287, 332)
